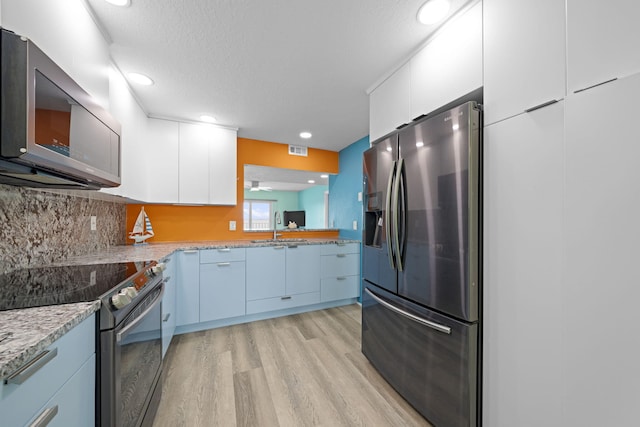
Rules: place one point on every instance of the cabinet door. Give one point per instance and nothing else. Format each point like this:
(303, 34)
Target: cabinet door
(390, 104)
(303, 269)
(162, 161)
(602, 41)
(601, 316)
(524, 56)
(523, 225)
(222, 290)
(265, 272)
(439, 76)
(188, 288)
(169, 302)
(193, 164)
(222, 167)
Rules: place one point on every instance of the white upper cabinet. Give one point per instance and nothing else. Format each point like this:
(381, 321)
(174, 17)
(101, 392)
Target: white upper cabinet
(390, 103)
(602, 41)
(449, 66)
(162, 163)
(207, 165)
(524, 56)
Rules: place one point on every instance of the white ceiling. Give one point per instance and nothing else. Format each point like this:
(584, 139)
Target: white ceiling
(269, 68)
(282, 179)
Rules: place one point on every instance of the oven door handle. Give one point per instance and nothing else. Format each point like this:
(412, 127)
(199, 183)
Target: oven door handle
(142, 315)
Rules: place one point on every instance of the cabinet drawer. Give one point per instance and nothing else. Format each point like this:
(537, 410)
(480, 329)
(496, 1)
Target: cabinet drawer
(340, 248)
(279, 303)
(74, 404)
(20, 402)
(221, 255)
(340, 265)
(341, 287)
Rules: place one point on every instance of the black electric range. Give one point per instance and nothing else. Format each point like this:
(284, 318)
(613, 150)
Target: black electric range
(43, 286)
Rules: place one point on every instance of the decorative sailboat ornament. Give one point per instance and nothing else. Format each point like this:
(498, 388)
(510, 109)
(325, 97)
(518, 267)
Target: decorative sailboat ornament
(142, 229)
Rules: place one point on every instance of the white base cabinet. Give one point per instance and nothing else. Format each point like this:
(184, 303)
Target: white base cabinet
(63, 389)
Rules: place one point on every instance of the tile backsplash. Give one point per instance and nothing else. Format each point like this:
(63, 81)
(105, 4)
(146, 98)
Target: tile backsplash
(38, 227)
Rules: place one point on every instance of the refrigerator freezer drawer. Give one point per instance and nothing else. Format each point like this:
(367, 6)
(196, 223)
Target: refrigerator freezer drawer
(433, 366)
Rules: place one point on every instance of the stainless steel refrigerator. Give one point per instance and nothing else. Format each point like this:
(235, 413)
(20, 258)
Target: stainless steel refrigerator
(421, 320)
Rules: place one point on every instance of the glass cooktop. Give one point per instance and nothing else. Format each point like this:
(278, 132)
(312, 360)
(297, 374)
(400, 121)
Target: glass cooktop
(41, 286)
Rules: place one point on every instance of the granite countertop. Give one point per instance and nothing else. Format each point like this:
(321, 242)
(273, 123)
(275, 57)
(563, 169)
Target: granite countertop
(26, 332)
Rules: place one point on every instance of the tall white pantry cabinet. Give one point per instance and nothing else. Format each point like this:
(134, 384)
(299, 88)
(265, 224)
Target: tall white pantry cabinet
(561, 202)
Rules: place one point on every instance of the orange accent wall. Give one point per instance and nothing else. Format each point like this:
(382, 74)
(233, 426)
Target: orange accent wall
(200, 223)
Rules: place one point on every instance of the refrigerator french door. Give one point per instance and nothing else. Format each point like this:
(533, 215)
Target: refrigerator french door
(421, 316)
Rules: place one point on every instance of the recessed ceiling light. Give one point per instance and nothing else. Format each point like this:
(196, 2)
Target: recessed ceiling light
(455, 127)
(119, 2)
(140, 79)
(305, 135)
(324, 175)
(433, 11)
(389, 148)
(419, 144)
(311, 181)
(208, 119)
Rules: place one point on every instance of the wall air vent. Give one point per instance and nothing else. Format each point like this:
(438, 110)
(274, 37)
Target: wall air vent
(297, 150)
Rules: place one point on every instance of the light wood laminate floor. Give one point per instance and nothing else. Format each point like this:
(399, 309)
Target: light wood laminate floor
(300, 370)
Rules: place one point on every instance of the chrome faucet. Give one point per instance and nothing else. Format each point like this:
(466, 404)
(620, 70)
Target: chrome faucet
(276, 221)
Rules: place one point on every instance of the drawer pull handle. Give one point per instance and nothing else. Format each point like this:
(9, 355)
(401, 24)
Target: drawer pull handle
(166, 318)
(285, 297)
(224, 250)
(595, 85)
(539, 106)
(341, 255)
(191, 251)
(32, 367)
(293, 246)
(341, 278)
(341, 244)
(223, 264)
(278, 247)
(45, 417)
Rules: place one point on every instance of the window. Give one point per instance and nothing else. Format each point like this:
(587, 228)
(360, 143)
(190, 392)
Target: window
(257, 214)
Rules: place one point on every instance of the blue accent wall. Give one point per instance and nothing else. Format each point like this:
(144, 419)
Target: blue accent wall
(344, 207)
(311, 201)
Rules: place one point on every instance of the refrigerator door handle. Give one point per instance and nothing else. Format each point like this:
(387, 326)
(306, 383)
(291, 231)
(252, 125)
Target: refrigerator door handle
(438, 327)
(398, 220)
(387, 224)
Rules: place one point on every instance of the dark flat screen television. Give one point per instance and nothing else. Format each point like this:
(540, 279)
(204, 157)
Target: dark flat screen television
(294, 216)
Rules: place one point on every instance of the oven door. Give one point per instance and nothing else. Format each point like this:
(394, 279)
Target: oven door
(131, 365)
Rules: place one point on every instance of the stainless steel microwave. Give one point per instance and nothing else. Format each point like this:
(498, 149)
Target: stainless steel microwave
(52, 133)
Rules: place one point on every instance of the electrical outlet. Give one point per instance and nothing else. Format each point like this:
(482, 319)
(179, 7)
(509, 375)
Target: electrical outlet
(359, 196)
(355, 225)
(232, 226)
(92, 278)
(94, 226)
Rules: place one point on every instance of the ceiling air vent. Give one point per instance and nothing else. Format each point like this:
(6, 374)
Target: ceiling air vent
(296, 150)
